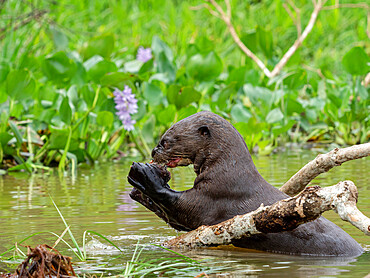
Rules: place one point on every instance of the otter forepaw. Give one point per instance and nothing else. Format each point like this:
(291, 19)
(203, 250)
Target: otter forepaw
(148, 178)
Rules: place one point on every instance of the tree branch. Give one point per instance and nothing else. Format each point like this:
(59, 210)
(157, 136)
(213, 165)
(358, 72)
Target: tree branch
(296, 19)
(354, 6)
(366, 81)
(299, 40)
(237, 40)
(323, 163)
(318, 6)
(35, 14)
(284, 215)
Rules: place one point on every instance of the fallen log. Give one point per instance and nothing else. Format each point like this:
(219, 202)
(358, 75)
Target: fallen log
(284, 215)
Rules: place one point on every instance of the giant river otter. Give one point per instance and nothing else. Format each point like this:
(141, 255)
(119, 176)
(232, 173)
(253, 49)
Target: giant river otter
(227, 184)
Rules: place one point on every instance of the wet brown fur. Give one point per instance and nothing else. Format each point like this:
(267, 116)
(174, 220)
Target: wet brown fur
(228, 184)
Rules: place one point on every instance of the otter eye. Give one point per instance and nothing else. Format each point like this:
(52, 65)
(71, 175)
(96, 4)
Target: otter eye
(204, 131)
(163, 143)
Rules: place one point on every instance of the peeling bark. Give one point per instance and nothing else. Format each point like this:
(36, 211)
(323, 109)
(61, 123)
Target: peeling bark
(323, 163)
(284, 215)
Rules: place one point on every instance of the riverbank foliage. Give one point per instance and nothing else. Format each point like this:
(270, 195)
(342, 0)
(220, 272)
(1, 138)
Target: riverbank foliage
(61, 61)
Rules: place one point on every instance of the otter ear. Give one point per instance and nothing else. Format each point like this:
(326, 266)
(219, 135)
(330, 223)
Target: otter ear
(204, 131)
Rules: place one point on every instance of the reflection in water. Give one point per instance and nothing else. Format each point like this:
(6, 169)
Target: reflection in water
(127, 204)
(97, 199)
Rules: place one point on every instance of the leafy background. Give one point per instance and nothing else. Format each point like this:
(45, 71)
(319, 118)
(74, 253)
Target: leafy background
(61, 61)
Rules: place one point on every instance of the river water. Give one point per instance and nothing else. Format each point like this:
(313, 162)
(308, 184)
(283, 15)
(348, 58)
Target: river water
(96, 199)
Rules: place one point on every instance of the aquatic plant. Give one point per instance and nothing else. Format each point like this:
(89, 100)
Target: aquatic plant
(126, 105)
(144, 54)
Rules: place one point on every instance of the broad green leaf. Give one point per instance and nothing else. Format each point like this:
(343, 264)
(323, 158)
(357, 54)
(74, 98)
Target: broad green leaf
(80, 76)
(167, 115)
(20, 85)
(159, 46)
(186, 112)
(59, 38)
(73, 95)
(222, 97)
(148, 66)
(4, 70)
(3, 96)
(274, 116)
(182, 97)
(133, 66)
(105, 118)
(260, 97)
(92, 62)
(356, 61)
(204, 67)
(65, 111)
(20, 167)
(277, 130)
(296, 80)
(165, 66)
(4, 138)
(293, 106)
(101, 68)
(152, 94)
(265, 41)
(361, 90)
(240, 114)
(116, 79)
(59, 67)
(251, 41)
(102, 45)
(58, 140)
(148, 130)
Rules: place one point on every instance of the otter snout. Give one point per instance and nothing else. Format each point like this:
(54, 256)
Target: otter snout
(154, 151)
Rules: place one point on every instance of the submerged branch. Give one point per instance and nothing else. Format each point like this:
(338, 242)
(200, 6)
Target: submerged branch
(284, 215)
(321, 164)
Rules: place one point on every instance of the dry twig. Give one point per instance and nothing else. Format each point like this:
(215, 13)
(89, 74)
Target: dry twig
(35, 14)
(284, 215)
(318, 6)
(323, 163)
(227, 18)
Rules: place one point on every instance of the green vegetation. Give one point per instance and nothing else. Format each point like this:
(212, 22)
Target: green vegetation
(175, 264)
(61, 61)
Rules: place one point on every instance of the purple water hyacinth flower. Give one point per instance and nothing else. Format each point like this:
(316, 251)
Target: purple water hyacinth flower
(126, 105)
(144, 54)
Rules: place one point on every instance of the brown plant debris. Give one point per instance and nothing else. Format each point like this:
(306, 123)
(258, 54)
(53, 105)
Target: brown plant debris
(42, 262)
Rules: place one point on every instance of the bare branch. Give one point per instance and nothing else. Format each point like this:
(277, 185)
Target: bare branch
(318, 6)
(323, 163)
(298, 41)
(366, 81)
(212, 12)
(353, 6)
(358, 5)
(237, 40)
(35, 14)
(318, 71)
(228, 8)
(297, 18)
(303, 208)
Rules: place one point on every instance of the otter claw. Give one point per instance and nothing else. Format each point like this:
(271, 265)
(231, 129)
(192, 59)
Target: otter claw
(136, 184)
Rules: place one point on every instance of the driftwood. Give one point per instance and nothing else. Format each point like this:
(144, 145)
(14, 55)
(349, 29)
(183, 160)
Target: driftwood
(323, 163)
(284, 215)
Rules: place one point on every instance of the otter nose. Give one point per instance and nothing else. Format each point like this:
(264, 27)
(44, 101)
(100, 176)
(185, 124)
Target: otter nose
(154, 151)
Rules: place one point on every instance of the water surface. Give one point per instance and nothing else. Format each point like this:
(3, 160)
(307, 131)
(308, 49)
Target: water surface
(97, 199)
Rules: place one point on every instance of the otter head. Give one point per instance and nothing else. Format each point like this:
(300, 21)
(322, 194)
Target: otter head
(200, 139)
